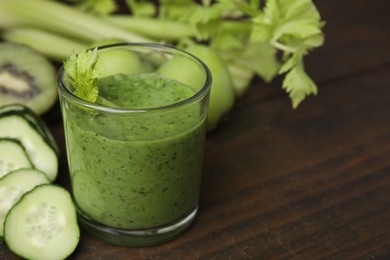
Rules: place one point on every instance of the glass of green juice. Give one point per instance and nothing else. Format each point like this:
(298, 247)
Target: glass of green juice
(135, 160)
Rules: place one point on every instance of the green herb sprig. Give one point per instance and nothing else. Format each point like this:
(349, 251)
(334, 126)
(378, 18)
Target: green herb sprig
(82, 74)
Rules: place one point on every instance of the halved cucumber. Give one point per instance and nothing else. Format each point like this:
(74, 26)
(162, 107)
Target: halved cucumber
(43, 224)
(13, 186)
(12, 156)
(41, 154)
(39, 125)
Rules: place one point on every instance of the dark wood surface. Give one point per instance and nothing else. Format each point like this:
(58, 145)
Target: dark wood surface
(311, 183)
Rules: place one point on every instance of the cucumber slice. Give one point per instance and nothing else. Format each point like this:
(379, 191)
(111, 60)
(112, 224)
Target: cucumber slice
(43, 224)
(13, 186)
(12, 156)
(40, 153)
(39, 125)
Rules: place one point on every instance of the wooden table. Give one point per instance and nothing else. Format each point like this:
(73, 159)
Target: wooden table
(307, 184)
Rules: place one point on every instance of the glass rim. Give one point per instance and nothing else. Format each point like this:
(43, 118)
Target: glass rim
(190, 100)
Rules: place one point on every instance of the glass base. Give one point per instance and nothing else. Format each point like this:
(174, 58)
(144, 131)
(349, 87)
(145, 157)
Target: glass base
(134, 237)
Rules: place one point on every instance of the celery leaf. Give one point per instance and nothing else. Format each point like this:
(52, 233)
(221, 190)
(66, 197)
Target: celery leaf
(206, 20)
(227, 41)
(142, 8)
(294, 28)
(261, 59)
(283, 22)
(298, 84)
(176, 10)
(232, 9)
(82, 75)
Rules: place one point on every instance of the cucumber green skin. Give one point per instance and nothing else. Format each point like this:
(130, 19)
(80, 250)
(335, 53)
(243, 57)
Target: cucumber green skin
(24, 180)
(42, 193)
(35, 121)
(37, 148)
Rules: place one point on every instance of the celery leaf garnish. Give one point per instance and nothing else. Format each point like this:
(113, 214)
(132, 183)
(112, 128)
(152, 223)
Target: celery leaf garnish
(82, 74)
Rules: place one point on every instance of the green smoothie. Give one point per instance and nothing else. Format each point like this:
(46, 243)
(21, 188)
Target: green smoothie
(141, 170)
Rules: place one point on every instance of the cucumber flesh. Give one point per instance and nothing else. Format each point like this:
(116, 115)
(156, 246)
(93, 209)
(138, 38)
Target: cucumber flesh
(13, 186)
(43, 224)
(40, 153)
(12, 156)
(39, 125)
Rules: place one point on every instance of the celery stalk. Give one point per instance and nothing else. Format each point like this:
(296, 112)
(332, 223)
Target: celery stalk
(157, 28)
(51, 45)
(153, 27)
(62, 19)
(8, 21)
(237, 26)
